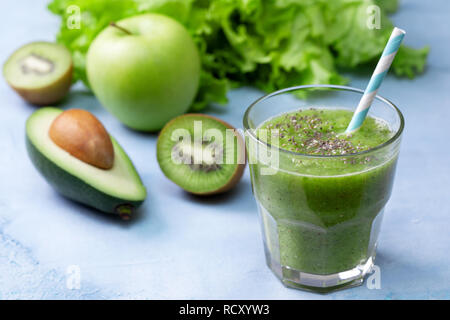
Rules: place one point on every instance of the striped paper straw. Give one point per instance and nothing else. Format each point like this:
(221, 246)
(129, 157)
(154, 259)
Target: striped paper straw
(378, 75)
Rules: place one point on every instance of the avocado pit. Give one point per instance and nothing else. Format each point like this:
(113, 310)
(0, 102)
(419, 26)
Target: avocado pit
(82, 135)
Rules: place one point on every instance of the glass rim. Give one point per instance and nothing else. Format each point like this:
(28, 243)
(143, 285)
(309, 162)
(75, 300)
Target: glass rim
(395, 137)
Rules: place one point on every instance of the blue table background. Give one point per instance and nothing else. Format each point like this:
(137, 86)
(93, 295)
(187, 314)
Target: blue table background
(182, 247)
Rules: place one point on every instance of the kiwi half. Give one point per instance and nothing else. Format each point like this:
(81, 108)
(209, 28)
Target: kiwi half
(202, 154)
(40, 72)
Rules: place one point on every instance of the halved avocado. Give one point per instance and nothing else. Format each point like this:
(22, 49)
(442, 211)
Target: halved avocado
(118, 190)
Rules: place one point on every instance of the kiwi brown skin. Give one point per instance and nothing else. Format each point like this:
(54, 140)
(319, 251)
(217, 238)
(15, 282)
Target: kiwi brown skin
(50, 94)
(237, 175)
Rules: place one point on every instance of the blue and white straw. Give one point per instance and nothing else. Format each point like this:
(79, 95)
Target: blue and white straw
(378, 75)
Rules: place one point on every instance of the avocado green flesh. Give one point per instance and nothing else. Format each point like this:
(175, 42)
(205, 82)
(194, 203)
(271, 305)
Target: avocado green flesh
(102, 189)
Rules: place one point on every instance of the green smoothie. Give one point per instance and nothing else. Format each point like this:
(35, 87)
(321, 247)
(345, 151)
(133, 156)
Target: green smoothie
(322, 209)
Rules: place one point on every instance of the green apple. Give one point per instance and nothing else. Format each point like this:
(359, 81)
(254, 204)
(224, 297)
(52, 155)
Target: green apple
(145, 70)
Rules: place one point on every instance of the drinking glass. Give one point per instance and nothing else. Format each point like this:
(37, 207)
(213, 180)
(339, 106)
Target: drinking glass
(320, 223)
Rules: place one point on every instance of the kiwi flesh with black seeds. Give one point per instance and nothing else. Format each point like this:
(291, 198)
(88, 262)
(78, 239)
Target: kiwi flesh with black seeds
(40, 72)
(202, 154)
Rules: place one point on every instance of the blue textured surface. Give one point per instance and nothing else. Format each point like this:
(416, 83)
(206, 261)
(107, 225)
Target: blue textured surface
(184, 247)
